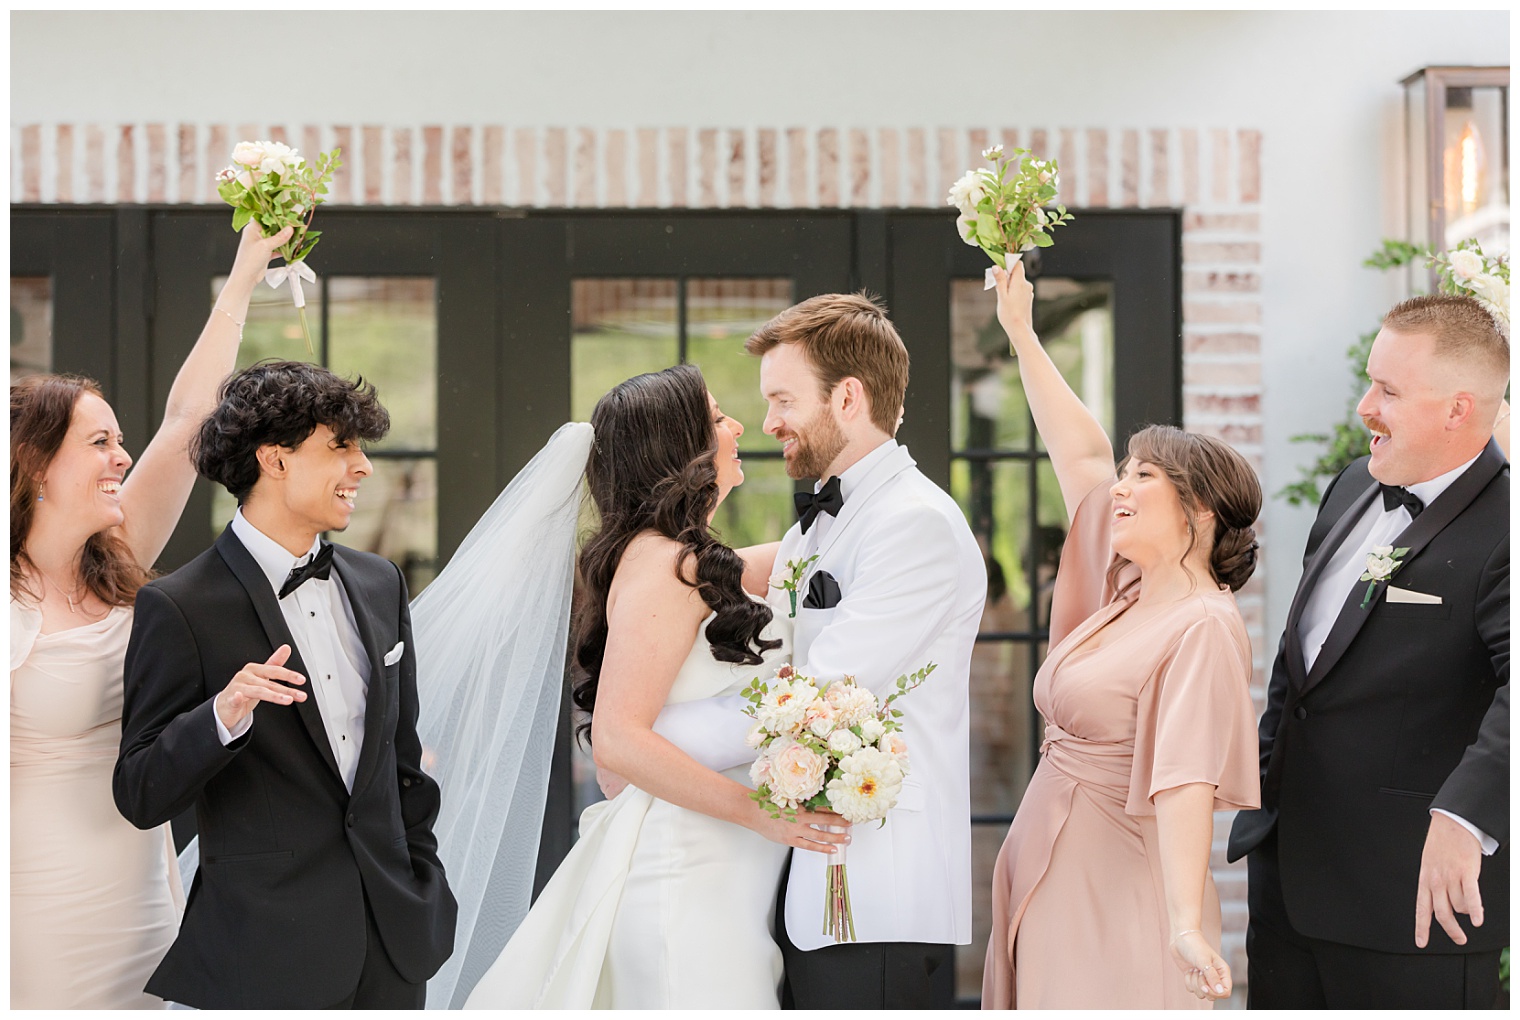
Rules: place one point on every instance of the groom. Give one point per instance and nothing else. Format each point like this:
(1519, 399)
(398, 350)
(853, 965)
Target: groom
(271, 684)
(898, 583)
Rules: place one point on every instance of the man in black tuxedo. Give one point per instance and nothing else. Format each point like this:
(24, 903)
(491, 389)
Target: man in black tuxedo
(319, 882)
(1385, 740)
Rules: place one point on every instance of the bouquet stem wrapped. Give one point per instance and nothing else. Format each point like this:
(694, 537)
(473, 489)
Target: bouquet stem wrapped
(838, 919)
(272, 184)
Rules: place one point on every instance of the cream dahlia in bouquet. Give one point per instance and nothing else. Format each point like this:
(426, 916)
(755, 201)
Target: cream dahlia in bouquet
(833, 747)
(1010, 208)
(272, 185)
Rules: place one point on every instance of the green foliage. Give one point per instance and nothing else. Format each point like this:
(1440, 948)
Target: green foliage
(1010, 208)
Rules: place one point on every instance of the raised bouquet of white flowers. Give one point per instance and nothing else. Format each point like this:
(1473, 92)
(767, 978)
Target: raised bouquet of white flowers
(1466, 270)
(833, 748)
(1010, 208)
(272, 185)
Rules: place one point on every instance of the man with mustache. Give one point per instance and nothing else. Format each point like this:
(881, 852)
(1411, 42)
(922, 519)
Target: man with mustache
(1385, 740)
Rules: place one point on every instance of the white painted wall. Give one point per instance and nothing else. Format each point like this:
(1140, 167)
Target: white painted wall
(1323, 88)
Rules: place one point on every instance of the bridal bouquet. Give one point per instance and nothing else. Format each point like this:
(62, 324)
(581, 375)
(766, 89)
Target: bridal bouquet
(1004, 210)
(835, 748)
(1466, 270)
(272, 184)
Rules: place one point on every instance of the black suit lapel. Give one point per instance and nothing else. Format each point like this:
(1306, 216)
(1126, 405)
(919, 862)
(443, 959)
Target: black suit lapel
(1312, 571)
(243, 566)
(377, 696)
(1446, 508)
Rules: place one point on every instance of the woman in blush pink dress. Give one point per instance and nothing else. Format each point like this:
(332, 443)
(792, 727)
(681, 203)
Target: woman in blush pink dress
(1102, 896)
(95, 903)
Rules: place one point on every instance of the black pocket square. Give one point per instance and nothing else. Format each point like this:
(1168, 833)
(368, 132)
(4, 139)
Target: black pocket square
(823, 591)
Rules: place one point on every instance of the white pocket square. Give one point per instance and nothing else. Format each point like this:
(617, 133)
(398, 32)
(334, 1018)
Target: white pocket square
(1412, 597)
(394, 655)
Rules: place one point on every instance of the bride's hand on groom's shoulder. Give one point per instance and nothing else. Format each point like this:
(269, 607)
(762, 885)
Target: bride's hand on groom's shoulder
(810, 830)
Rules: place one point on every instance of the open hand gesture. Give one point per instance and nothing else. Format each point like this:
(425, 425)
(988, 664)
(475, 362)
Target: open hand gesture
(256, 682)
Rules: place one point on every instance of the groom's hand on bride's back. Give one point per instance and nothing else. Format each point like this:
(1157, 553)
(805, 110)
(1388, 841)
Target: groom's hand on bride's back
(810, 830)
(256, 682)
(611, 783)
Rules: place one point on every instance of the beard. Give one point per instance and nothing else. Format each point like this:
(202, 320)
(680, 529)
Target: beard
(819, 443)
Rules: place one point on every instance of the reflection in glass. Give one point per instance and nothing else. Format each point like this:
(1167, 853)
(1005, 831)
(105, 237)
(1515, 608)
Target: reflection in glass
(994, 495)
(988, 409)
(619, 329)
(761, 509)
(1075, 323)
(720, 316)
(386, 329)
(31, 326)
(1000, 725)
(273, 329)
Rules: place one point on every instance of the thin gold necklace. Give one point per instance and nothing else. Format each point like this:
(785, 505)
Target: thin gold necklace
(67, 597)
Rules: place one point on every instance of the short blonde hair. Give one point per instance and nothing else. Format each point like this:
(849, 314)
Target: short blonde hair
(1463, 331)
(845, 335)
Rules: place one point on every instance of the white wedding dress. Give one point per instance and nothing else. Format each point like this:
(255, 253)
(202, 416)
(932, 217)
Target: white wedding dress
(655, 907)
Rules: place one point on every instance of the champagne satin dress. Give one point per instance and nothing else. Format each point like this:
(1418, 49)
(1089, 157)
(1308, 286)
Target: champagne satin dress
(1079, 908)
(95, 902)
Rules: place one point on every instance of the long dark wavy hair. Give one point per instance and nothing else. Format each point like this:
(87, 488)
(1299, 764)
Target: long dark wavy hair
(42, 409)
(651, 469)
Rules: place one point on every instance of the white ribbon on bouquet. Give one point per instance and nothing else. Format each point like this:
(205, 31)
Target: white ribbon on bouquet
(295, 272)
(988, 280)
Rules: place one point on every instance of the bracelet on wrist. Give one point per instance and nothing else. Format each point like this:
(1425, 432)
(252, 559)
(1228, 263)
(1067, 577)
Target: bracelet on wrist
(235, 322)
(1185, 931)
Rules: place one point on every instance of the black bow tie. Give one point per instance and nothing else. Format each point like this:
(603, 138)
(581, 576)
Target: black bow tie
(1396, 496)
(319, 567)
(826, 500)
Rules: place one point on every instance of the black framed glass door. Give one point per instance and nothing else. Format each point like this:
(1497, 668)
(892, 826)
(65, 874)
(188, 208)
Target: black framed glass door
(487, 330)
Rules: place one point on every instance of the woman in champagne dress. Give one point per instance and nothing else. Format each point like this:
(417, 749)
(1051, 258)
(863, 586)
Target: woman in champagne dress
(1102, 896)
(95, 903)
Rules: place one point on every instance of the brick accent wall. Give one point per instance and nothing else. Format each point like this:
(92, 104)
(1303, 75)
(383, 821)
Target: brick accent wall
(1212, 174)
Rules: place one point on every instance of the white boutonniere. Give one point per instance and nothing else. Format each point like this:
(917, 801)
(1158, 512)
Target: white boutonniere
(1382, 562)
(789, 580)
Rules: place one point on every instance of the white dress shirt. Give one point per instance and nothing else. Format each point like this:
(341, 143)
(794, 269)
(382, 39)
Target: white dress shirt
(321, 621)
(1343, 572)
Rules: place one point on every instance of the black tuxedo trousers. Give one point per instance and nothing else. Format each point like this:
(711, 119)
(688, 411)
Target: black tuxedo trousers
(1405, 708)
(276, 916)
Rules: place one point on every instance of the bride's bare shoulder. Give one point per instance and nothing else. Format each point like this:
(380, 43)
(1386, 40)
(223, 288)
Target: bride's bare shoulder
(656, 567)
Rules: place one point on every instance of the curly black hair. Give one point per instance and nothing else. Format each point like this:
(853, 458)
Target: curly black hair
(281, 402)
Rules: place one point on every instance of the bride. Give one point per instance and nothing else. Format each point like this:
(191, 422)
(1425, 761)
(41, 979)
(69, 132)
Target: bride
(667, 899)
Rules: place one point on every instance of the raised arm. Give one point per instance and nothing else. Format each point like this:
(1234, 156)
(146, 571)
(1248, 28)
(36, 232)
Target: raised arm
(154, 494)
(1080, 451)
(652, 621)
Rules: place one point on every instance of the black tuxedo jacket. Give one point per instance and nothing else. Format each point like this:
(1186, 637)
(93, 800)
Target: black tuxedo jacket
(275, 917)
(1406, 708)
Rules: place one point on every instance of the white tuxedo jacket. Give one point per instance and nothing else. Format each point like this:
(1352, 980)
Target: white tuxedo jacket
(912, 584)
